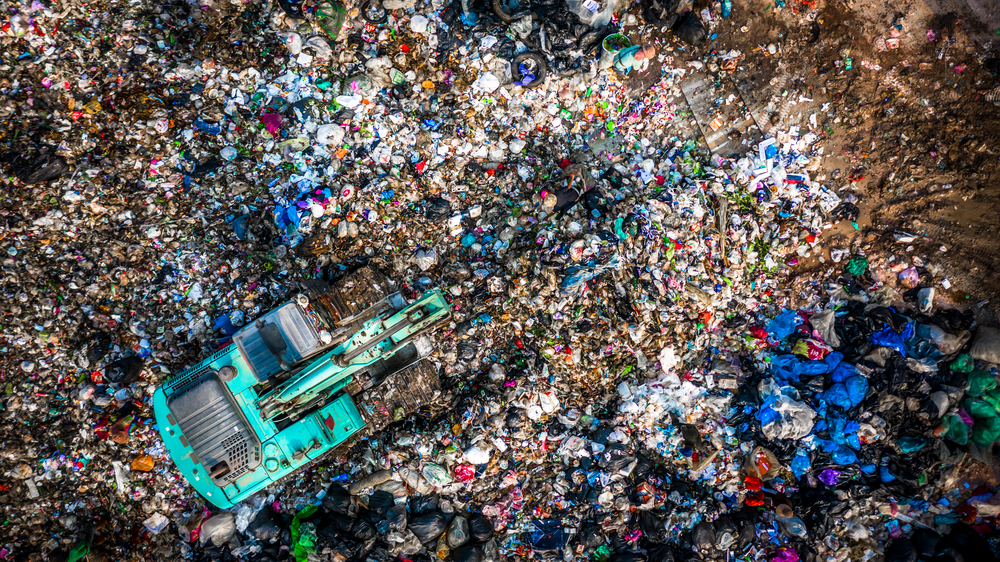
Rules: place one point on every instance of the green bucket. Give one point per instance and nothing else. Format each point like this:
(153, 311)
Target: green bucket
(611, 45)
(615, 42)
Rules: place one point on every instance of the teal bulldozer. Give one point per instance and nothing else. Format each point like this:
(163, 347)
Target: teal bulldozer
(330, 366)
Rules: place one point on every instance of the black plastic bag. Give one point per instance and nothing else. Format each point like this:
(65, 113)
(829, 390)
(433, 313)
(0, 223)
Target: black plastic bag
(342, 522)
(547, 535)
(747, 531)
(206, 167)
(271, 554)
(98, 346)
(596, 201)
(528, 64)
(964, 542)
(491, 552)
(428, 526)
(566, 198)
(845, 210)
(900, 550)
(124, 371)
(652, 528)
(854, 331)
(46, 167)
(395, 519)
(338, 548)
(885, 316)
(689, 432)
(691, 30)
(424, 504)
(292, 9)
(363, 530)
(925, 543)
(266, 526)
(468, 553)
(480, 528)
(380, 502)
(628, 557)
(337, 499)
(661, 553)
(615, 459)
(437, 209)
(953, 321)
(660, 12)
(703, 536)
(726, 532)
(591, 535)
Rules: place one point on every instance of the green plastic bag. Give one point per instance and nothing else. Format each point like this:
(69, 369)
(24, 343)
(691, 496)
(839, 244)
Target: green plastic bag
(79, 552)
(302, 547)
(964, 363)
(954, 429)
(993, 397)
(986, 431)
(857, 266)
(911, 444)
(331, 16)
(979, 409)
(980, 382)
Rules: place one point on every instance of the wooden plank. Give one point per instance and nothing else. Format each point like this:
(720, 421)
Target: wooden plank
(718, 122)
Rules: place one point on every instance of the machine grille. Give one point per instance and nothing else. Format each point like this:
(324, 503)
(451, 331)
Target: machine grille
(214, 426)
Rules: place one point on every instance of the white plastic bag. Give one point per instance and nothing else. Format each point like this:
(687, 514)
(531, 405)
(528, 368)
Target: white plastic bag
(330, 134)
(426, 259)
(219, 528)
(156, 523)
(986, 346)
(822, 322)
(244, 514)
(796, 420)
(435, 474)
(593, 12)
(475, 455)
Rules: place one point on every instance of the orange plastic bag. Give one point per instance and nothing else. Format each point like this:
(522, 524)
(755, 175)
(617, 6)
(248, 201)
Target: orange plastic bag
(143, 463)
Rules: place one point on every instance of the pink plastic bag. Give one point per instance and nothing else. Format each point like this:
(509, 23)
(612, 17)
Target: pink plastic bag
(272, 122)
(464, 472)
(909, 277)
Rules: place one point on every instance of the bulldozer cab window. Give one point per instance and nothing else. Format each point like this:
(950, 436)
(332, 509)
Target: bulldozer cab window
(277, 341)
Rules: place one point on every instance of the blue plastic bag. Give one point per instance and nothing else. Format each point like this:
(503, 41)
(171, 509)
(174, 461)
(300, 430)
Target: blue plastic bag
(800, 464)
(280, 217)
(857, 388)
(843, 455)
(839, 454)
(911, 444)
(842, 372)
(844, 432)
(887, 337)
(838, 396)
(783, 324)
(225, 324)
(240, 226)
(885, 475)
(848, 393)
(767, 416)
(210, 128)
(577, 276)
(791, 367)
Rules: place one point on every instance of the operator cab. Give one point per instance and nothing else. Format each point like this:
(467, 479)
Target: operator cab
(278, 341)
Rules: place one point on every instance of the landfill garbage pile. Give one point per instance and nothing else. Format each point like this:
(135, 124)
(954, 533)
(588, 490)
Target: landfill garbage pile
(622, 382)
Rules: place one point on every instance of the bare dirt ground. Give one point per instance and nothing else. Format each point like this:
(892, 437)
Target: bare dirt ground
(908, 126)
